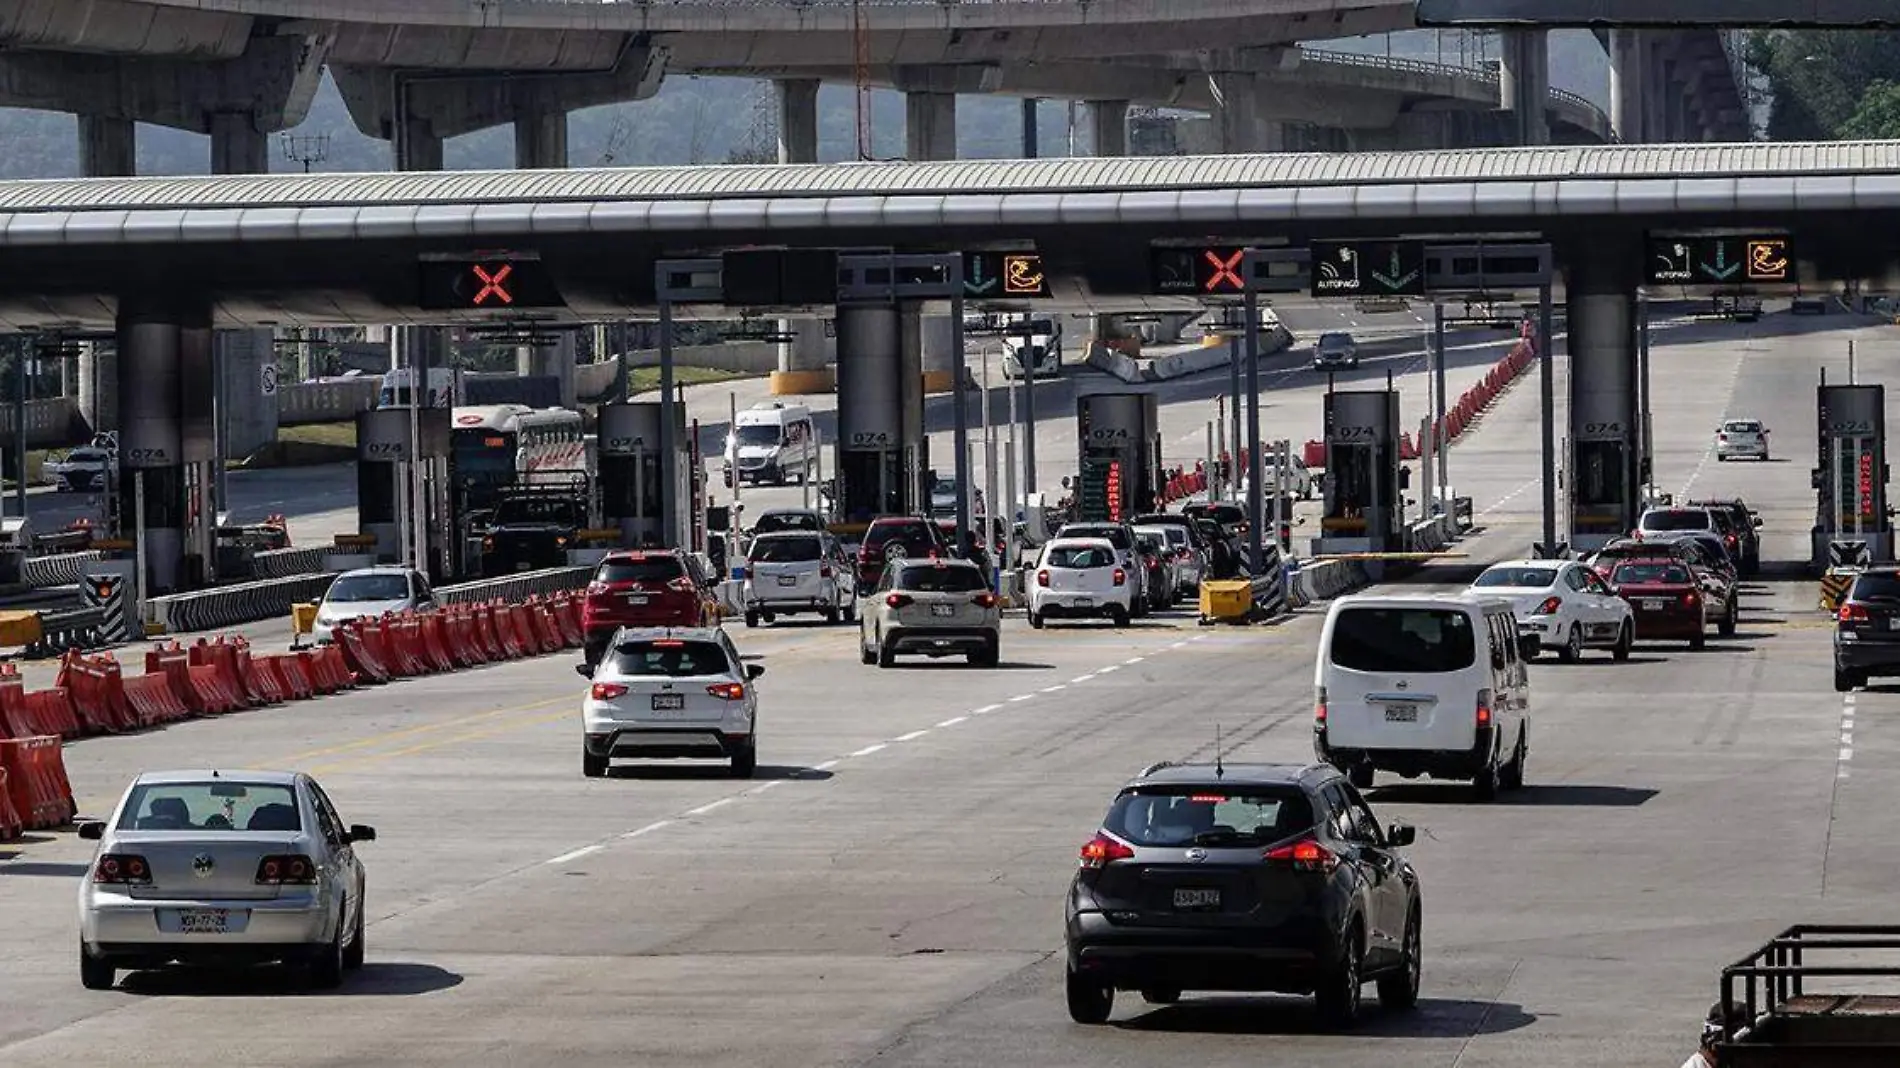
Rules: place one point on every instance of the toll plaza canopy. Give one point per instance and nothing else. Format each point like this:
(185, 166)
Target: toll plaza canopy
(346, 248)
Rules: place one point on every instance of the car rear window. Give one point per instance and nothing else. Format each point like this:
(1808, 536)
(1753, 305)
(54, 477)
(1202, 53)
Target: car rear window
(1114, 535)
(1403, 640)
(883, 532)
(670, 658)
(940, 580)
(785, 550)
(1697, 519)
(1877, 586)
(777, 521)
(1164, 816)
(1080, 558)
(642, 569)
(1646, 573)
(211, 806)
(1533, 577)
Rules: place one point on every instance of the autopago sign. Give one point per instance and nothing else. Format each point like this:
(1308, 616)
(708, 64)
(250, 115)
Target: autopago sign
(1368, 268)
(1003, 275)
(1719, 260)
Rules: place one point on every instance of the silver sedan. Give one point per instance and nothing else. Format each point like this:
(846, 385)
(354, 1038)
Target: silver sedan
(222, 867)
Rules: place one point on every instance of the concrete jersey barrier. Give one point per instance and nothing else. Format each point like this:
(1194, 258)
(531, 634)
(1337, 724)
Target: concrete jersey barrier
(56, 569)
(515, 587)
(230, 606)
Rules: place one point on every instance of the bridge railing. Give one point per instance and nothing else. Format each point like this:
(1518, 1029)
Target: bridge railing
(1488, 76)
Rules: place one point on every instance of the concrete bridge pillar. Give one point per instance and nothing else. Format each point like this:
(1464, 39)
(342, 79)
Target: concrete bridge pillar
(1108, 123)
(797, 120)
(108, 147)
(1600, 282)
(804, 361)
(1627, 90)
(247, 417)
(417, 147)
(1524, 84)
(930, 133)
(1238, 127)
(541, 145)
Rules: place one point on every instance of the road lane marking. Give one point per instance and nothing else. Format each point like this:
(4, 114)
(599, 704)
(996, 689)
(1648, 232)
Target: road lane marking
(1079, 679)
(710, 805)
(366, 759)
(1054, 689)
(826, 766)
(985, 710)
(648, 829)
(577, 854)
(1109, 668)
(1021, 697)
(422, 728)
(1133, 660)
(869, 749)
(764, 786)
(912, 736)
(953, 721)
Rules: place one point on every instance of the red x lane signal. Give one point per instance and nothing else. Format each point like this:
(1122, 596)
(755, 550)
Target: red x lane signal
(494, 284)
(1220, 270)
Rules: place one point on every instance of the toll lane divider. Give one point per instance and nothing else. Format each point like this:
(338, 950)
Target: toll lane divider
(230, 606)
(1324, 579)
(516, 587)
(288, 563)
(57, 569)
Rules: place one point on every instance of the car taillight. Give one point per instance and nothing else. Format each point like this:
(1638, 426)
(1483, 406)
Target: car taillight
(1691, 599)
(606, 691)
(1101, 849)
(286, 869)
(488, 545)
(1484, 708)
(1319, 706)
(1854, 613)
(1731, 541)
(126, 869)
(1305, 854)
(596, 588)
(897, 600)
(1549, 607)
(1121, 577)
(727, 691)
(986, 600)
(1042, 578)
(824, 572)
(1721, 437)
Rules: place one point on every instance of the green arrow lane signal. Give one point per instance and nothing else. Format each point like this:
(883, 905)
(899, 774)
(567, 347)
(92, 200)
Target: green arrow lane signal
(1723, 269)
(1393, 280)
(976, 284)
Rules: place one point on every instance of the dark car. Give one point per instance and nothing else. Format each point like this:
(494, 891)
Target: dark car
(1744, 528)
(1604, 560)
(897, 537)
(1160, 584)
(644, 588)
(529, 533)
(1231, 517)
(1196, 539)
(1268, 878)
(1666, 599)
(1867, 630)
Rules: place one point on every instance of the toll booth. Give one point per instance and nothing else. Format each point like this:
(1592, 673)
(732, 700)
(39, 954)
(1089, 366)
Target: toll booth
(1120, 468)
(632, 483)
(1850, 481)
(1364, 482)
(883, 452)
(385, 464)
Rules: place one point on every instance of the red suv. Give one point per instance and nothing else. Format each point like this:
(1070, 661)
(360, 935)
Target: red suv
(897, 537)
(644, 588)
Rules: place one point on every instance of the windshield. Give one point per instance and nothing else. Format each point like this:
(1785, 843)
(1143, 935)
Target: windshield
(1403, 640)
(786, 549)
(670, 658)
(360, 589)
(1079, 558)
(211, 806)
(1687, 519)
(1527, 577)
(1164, 816)
(1650, 573)
(536, 510)
(758, 434)
(1335, 341)
(772, 522)
(946, 579)
(643, 569)
(483, 452)
(1876, 586)
(1114, 535)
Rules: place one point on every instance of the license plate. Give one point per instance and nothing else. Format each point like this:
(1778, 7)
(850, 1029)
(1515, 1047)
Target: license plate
(1401, 714)
(943, 610)
(1894, 623)
(668, 702)
(788, 580)
(204, 921)
(1084, 602)
(636, 598)
(1196, 898)
(1652, 604)
(524, 566)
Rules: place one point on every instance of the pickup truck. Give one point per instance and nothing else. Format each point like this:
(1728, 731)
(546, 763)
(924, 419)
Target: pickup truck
(531, 532)
(1791, 1002)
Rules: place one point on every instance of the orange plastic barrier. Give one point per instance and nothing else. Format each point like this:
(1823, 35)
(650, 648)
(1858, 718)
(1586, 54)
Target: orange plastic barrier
(98, 696)
(11, 825)
(570, 619)
(36, 782)
(55, 712)
(362, 658)
(435, 642)
(17, 719)
(153, 699)
(174, 664)
(488, 628)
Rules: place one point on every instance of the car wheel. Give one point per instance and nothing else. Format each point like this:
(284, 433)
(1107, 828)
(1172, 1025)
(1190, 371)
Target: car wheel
(95, 974)
(1572, 650)
(1624, 639)
(1118, 616)
(353, 953)
(593, 767)
(1729, 620)
(886, 654)
(866, 654)
(1035, 621)
(745, 760)
(1089, 1002)
(768, 618)
(1160, 995)
(1512, 775)
(831, 616)
(1337, 999)
(1361, 776)
(326, 967)
(1398, 990)
(1699, 641)
(1843, 679)
(751, 618)
(1485, 783)
(986, 657)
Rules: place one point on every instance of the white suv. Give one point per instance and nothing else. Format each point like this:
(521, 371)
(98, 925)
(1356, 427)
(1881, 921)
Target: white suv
(667, 694)
(1081, 577)
(1741, 437)
(940, 607)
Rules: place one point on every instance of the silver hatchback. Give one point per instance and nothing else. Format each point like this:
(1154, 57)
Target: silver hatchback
(222, 867)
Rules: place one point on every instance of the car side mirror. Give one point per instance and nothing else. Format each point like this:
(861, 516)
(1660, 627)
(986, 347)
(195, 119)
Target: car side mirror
(1757, 521)
(584, 670)
(1400, 834)
(92, 830)
(753, 671)
(360, 832)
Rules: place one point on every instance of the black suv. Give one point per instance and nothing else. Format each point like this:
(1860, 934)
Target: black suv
(1867, 629)
(1272, 878)
(1741, 532)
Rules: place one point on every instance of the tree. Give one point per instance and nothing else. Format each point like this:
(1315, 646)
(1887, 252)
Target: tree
(1878, 116)
(1822, 79)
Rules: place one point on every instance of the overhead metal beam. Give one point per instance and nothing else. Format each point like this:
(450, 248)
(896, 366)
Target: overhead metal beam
(1587, 14)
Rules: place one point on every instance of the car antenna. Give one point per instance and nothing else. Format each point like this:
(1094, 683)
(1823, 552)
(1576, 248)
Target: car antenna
(1220, 770)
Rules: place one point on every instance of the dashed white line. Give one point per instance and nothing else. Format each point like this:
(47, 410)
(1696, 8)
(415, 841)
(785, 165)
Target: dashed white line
(869, 749)
(1109, 668)
(1133, 660)
(1079, 679)
(576, 854)
(953, 721)
(826, 766)
(709, 806)
(1056, 687)
(1178, 645)
(764, 786)
(1021, 697)
(912, 736)
(648, 829)
(985, 710)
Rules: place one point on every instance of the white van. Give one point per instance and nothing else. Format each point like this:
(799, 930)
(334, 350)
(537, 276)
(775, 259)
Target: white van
(1423, 684)
(1034, 342)
(772, 442)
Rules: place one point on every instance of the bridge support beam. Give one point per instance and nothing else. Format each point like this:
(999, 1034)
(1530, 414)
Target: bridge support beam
(1524, 84)
(1600, 282)
(246, 416)
(107, 149)
(804, 361)
(930, 133)
(1627, 89)
(1108, 125)
(1237, 122)
(797, 120)
(541, 145)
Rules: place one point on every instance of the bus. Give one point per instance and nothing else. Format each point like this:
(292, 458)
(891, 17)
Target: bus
(511, 446)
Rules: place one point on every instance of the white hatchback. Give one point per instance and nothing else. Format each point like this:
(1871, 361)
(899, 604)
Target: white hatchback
(1080, 577)
(1741, 437)
(1563, 604)
(669, 694)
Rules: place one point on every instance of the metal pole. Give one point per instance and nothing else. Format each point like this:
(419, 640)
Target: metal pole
(1234, 446)
(419, 509)
(1440, 437)
(989, 480)
(669, 503)
(959, 402)
(400, 478)
(622, 383)
(1646, 457)
(138, 540)
(1427, 440)
(1547, 387)
(1031, 140)
(1213, 464)
(1009, 487)
(1853, 378)
(221, 431)
(732, 432)
(1255, 545)
(1217, 489)
(19, 433)
(1029, 416)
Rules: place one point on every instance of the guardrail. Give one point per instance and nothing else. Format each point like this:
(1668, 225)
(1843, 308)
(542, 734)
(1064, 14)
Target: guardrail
(283, 563)
(230, 606)
(1599, 121)
(515, 587)
(56, 569)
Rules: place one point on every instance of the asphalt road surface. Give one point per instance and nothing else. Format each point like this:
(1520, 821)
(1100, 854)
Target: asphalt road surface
(888, 891)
